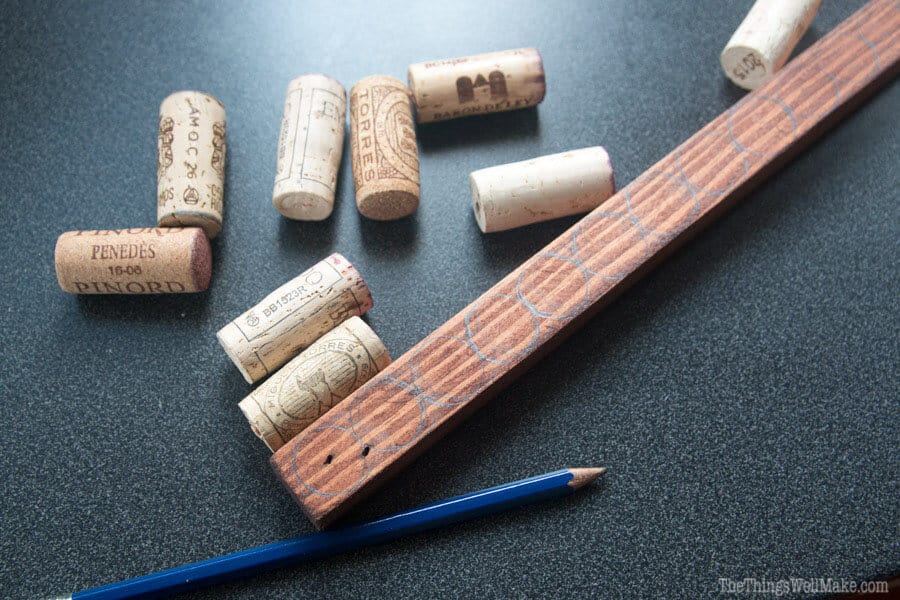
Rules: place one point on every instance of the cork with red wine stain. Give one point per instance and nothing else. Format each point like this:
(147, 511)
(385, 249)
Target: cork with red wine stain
(153, 260)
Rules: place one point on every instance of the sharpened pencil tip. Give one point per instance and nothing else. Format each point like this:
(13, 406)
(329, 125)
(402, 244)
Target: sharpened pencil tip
(582, 477)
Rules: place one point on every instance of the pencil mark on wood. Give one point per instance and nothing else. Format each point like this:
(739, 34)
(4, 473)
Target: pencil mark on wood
(563, 273)
(380, 415)
(440, 367)
(486, 328)
(612, 230)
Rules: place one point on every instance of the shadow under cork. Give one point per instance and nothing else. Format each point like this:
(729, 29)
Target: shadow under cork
(302, 238)
(390, 239)
(315, 238)
(809, 38)
(145, 308)
(509, 249)
(495, 128)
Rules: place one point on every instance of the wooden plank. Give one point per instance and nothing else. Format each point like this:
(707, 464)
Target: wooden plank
(373, 433)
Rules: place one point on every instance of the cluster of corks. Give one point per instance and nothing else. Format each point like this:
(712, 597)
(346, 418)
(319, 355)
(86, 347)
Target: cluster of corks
(384, 155)
(308, 339)
(383, 139)
(175, 256)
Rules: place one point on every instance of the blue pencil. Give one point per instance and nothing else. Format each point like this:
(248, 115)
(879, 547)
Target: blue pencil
(326, 543)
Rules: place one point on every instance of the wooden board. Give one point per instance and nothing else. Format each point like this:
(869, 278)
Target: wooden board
(373, 433)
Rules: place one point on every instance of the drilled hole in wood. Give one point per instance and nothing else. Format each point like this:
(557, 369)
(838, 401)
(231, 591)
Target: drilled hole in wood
(366, 451)
(328, 459)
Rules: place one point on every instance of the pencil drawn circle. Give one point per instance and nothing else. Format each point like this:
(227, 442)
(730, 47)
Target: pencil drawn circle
(600, 238)
(565, 276)
(759, 128)
(448, 370)
(717, 162)
(662, 220)
(387, 415)
(494, 328)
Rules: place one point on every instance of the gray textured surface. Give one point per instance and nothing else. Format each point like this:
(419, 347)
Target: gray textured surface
(743, 396)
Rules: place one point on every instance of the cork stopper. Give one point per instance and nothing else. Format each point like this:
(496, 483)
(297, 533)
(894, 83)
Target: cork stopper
(310, 147)
(311, 383)
(540, 189)
(383, 149)
(764, 40)
(476, 85)
(191, 162)
(133, 261)
(294, 316)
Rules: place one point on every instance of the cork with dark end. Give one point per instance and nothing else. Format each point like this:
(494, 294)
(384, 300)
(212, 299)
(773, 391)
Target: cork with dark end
(201, 260)
(383, 149)
(295, 315)
(160, 260)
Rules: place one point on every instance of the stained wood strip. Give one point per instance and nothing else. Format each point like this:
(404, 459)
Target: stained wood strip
(373, 433)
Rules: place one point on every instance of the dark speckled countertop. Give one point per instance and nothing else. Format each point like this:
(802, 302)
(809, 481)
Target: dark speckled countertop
(744, 396)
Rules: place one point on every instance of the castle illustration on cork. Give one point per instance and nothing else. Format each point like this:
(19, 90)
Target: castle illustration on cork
(494, 87)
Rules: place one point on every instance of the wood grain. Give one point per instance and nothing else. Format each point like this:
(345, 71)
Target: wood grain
(373, 433)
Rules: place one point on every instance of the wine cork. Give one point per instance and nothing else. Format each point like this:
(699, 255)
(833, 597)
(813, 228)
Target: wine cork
(191, 162)
(476, 85)
(383, 149)
(294, 316)
(765, 39)
(164, 260)
(310, 147)
(548, 187)
(312, 382)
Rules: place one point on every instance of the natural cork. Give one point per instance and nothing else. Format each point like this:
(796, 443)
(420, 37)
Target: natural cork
(765, 39)
(548, 187)
(476, 85)
(383, 149)
(165, 260)
(191, 162)
(318, 378)
(310, 147)
(294, 316)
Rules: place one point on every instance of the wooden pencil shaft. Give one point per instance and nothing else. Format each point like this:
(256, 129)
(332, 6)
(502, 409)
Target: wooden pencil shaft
(319, 545)
(423, 394)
